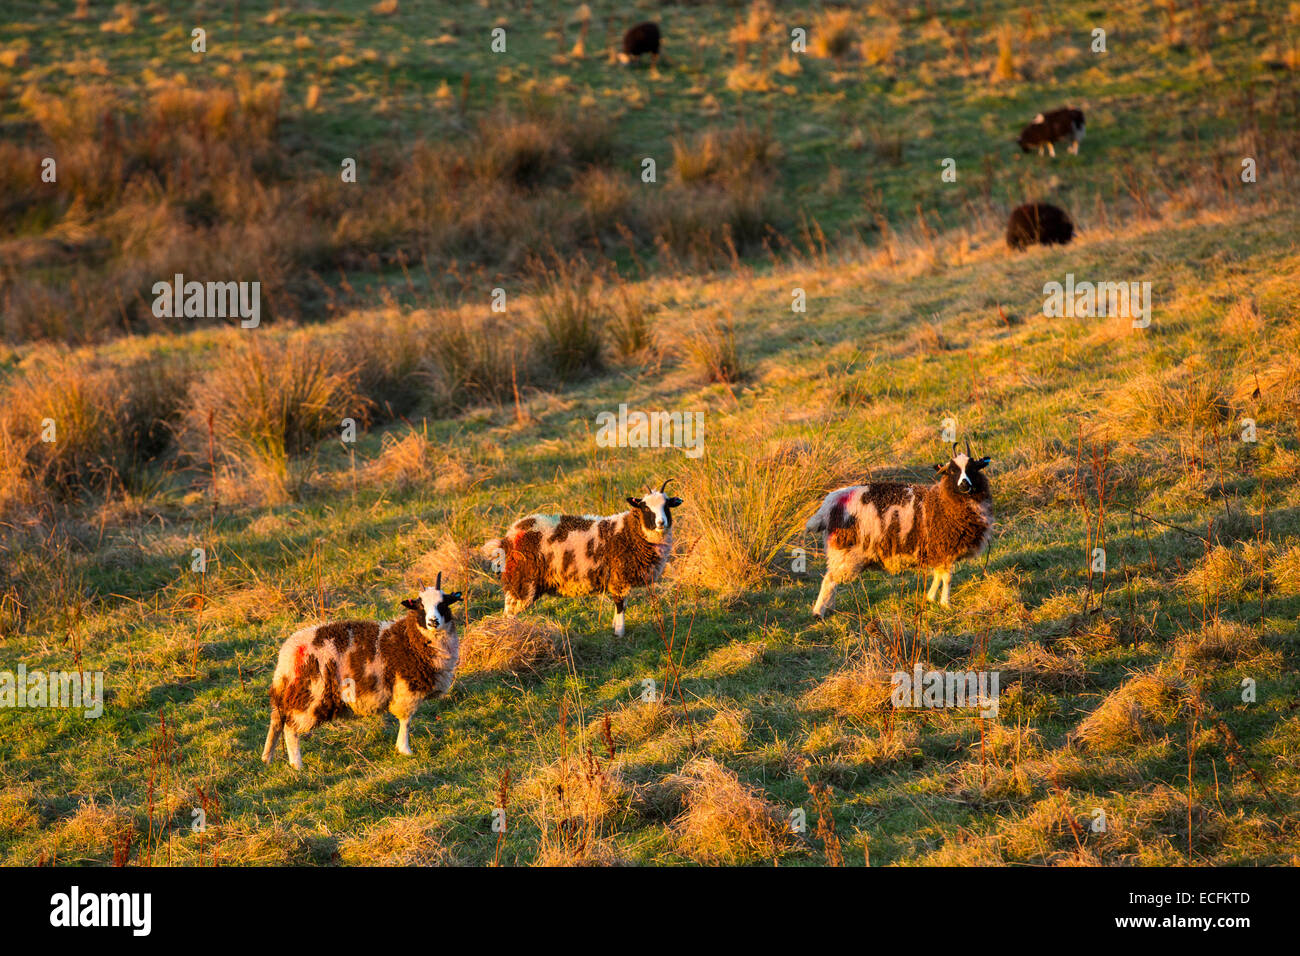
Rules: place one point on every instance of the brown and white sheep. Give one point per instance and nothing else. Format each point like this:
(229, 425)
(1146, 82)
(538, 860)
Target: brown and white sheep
(894, 526)
(348, 668)
(573, 555)
(1050, 128)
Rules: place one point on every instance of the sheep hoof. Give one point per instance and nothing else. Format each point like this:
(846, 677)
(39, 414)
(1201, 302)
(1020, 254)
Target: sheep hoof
(944, 604)
(405, 752)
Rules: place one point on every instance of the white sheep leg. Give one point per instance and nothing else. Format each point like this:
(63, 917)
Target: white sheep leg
(291, 747)
(825, 597)
(404, 736)
(931, 594)
(618, 618)
(1051, 150)
(947, 579)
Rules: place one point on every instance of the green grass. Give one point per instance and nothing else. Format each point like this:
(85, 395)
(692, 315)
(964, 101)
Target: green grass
(900, 334)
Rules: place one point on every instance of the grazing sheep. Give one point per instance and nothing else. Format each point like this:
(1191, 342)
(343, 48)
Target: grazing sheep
(1052, 127)
(640, 39)
(359, 667)
(1038, 222)
(574, 556)
(895, 526)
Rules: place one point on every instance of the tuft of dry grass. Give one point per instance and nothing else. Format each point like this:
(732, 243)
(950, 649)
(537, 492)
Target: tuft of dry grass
(1138, 711)
(571, 317)
(724, 820)
(747, 505)
(412, 460)
(270, 402)
(399, 841)
(497, 644)
(710, 349)
(860, 689)
(1004, 70)
(833, 34)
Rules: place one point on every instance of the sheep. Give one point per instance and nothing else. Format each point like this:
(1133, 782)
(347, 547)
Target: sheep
(895, 526)
(1051, 127)
(359, 667)
(1038, 222)
(574, 556)
(640, 39)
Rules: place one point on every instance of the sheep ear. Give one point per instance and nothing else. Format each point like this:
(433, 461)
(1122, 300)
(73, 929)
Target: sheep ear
(635, 502)
(451, 598)
(412, 603)
(938, 467)
(674, 502)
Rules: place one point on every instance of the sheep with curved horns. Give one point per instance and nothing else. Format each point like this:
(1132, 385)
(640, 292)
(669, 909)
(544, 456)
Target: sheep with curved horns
(572, 555)
(347, 668)
(893, 525)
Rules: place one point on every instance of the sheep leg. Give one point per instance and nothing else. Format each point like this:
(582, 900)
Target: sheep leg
(1051, 150)
(931, 594)
(825, 597)
(619, 604)
(273, 734)
(1074, 148)
(291, 747)
(404, 735)
(947, 579)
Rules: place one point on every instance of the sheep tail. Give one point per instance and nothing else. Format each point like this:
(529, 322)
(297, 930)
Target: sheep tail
(493, 550)
(820, 521)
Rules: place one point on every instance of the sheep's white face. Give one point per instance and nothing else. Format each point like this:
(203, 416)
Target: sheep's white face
(656, 513)
(433, 608)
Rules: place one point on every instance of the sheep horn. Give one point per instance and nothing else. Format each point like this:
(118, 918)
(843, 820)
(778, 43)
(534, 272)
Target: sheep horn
(664, 485)
(968, 454)
(954, 449)
(439, 584)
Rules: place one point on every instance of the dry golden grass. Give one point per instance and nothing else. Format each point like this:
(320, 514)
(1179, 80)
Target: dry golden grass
(577, 786)
(399, 841)
(881, 45)
(412, 460)
(723, 820)
(748, 508)
(859, 689)
(271, 401)
(833, 34)
(1138, 711)
(513, 645)
(1228, 642)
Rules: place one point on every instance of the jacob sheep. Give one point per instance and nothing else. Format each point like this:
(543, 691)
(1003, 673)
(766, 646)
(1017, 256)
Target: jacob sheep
(359, 667)
(1038, 222)
(639, 40)
(574, 555)
(895, 526)
(1052, 127)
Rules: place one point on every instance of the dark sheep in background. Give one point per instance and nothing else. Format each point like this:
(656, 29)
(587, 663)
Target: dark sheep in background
(639, 40)
(1038, 222)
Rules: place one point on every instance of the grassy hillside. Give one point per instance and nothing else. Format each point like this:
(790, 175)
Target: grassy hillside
(1121, 691)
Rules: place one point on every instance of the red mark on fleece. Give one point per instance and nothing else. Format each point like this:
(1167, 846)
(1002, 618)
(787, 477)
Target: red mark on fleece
(300, 661)
(843, 500)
